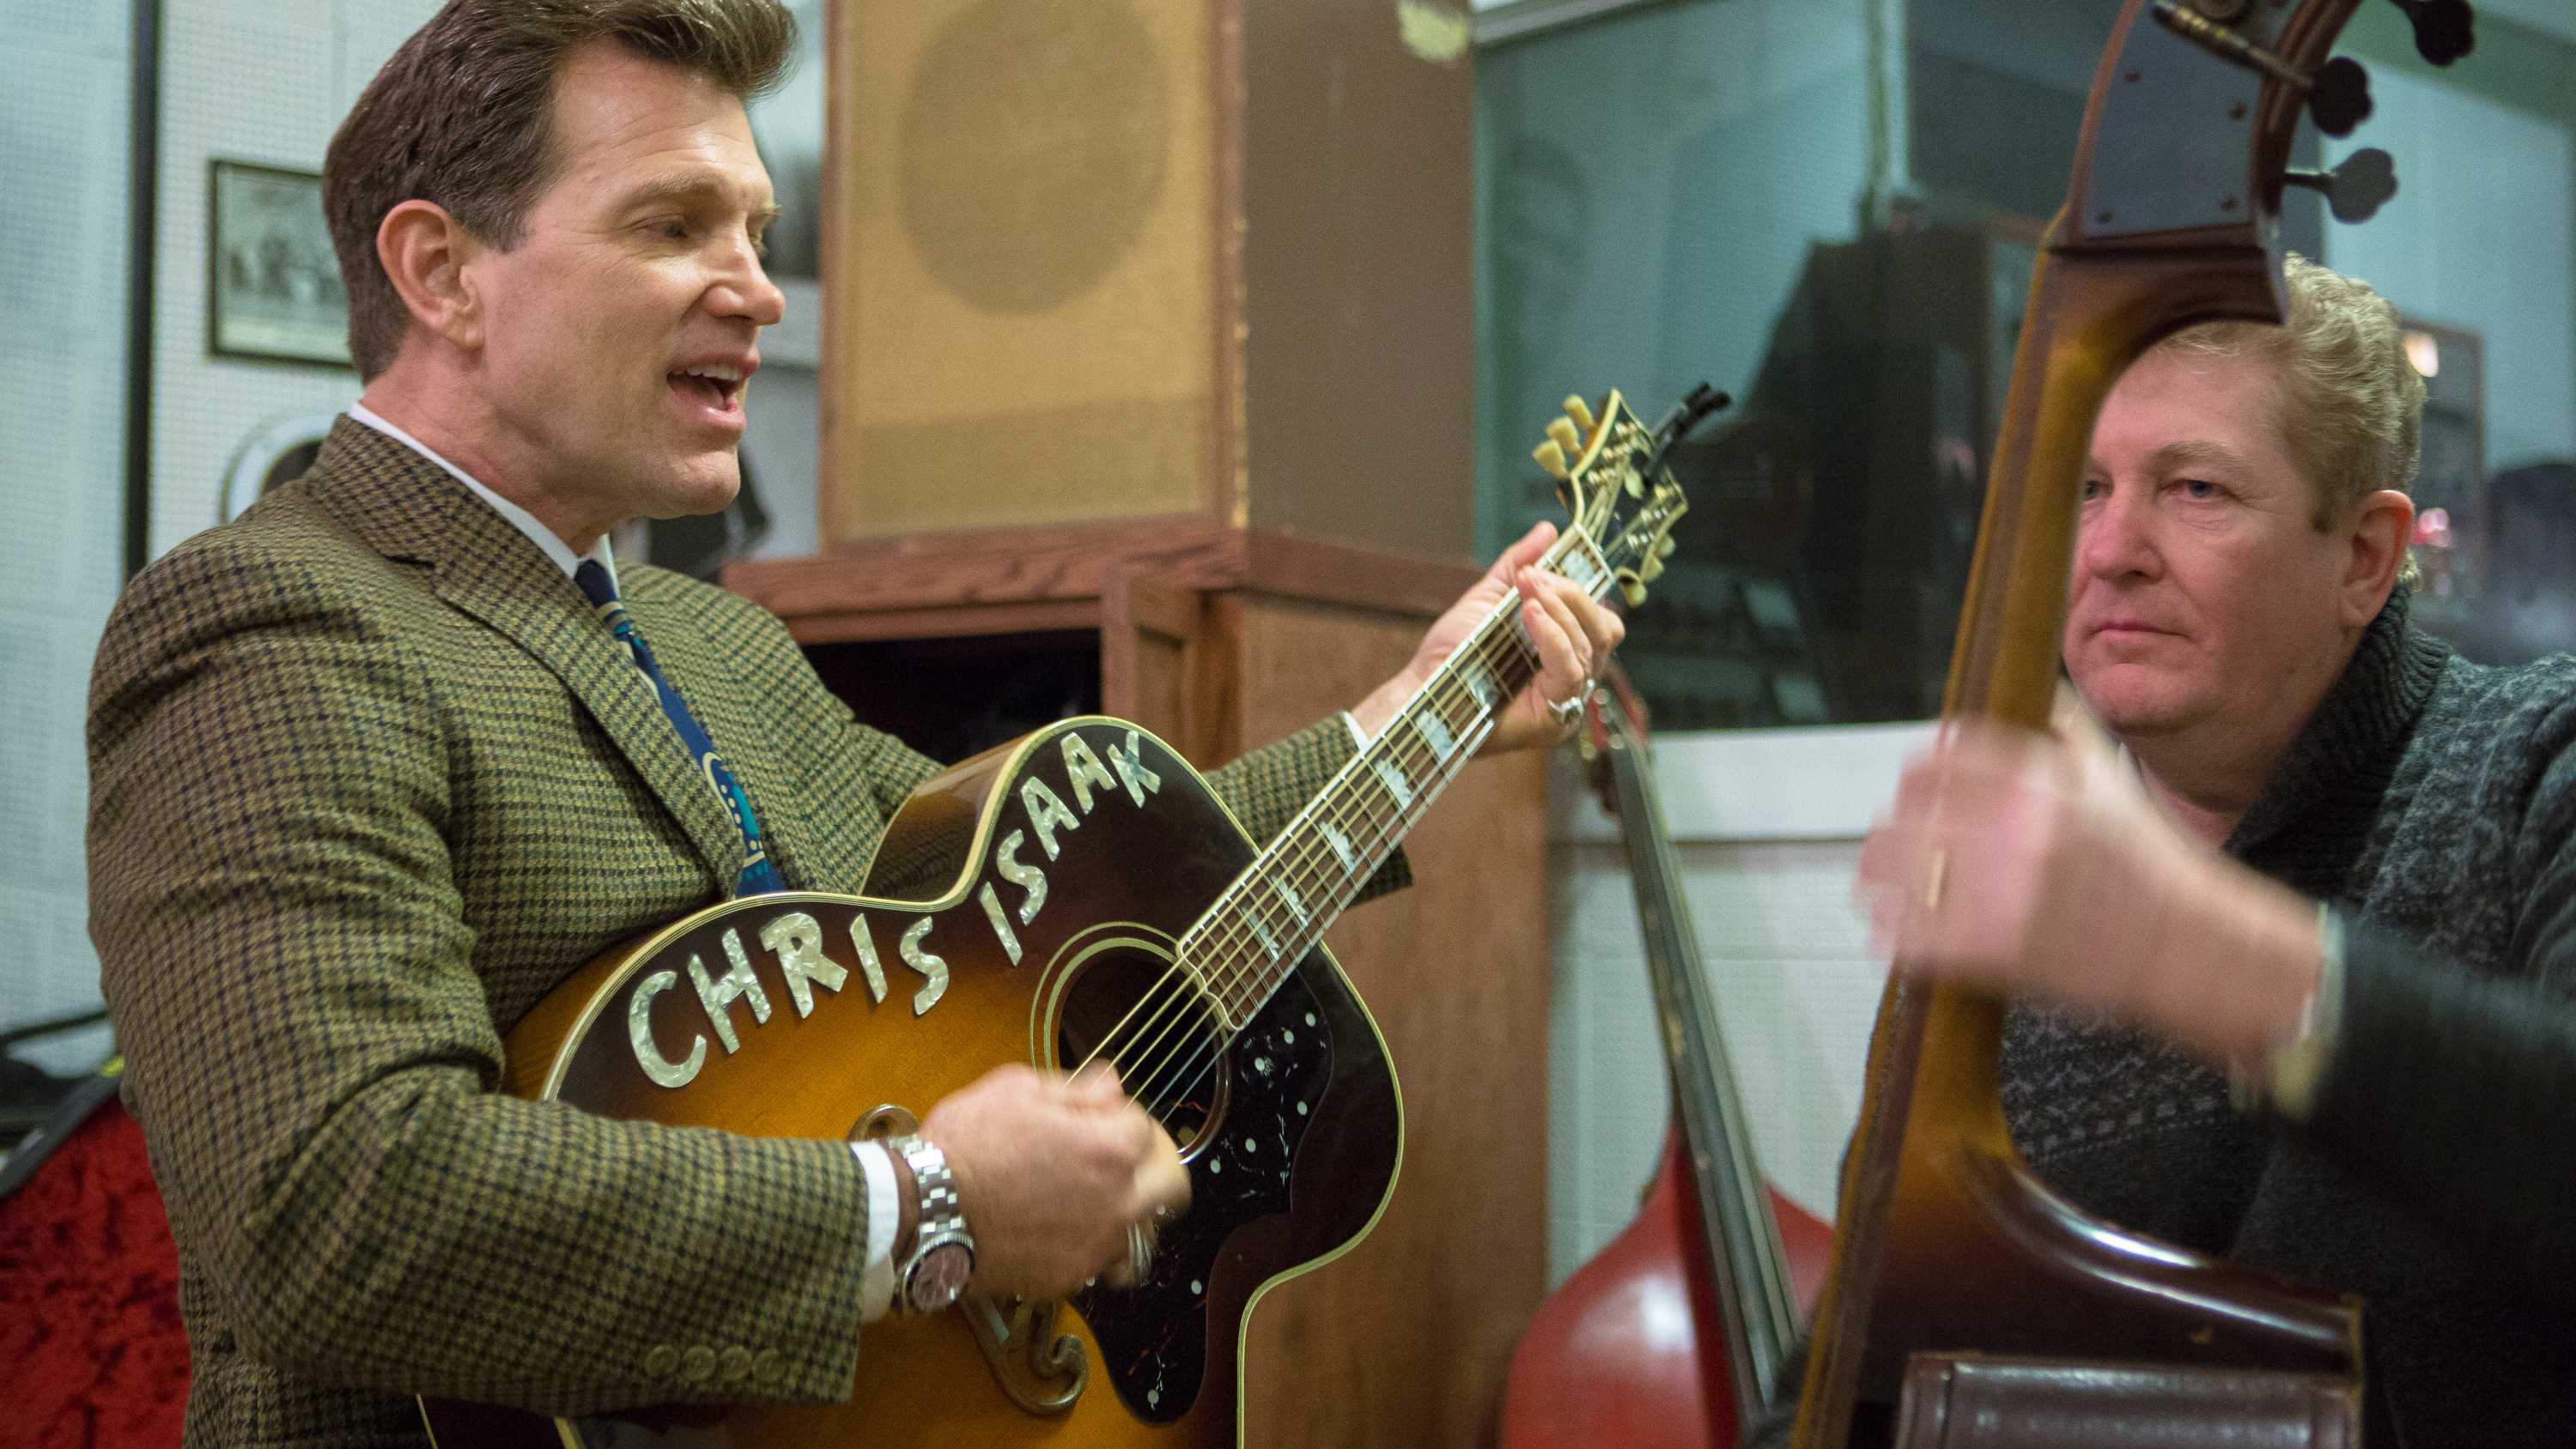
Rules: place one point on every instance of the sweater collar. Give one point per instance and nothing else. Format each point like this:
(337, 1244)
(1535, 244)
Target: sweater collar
(2369, 711)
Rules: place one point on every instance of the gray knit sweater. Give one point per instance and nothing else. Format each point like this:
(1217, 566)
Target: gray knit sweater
(2433, 801)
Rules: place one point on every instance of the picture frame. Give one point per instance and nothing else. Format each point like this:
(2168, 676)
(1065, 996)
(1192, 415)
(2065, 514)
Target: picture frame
(273, 290)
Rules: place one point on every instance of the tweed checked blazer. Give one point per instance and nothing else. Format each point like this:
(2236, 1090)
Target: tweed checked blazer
(369, 778)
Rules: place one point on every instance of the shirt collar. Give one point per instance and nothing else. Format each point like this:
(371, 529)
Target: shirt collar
(520, 518)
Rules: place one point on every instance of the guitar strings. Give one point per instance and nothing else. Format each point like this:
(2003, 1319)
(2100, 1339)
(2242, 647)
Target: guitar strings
(1303, 858)
(1171, 1077)
(1410, 749)
(1477, 646)
(1202, 1062)
(1179, 1080)
(1184, 1079)
(1301, 854)
(1300, 858)
(1233, 956)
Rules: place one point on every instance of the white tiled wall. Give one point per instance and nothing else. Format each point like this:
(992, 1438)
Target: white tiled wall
(63, 159)
(245, 80)
(1768, 823)
(254, 80)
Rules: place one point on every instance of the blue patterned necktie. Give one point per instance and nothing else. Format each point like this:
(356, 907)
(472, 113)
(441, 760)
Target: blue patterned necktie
(758, 875)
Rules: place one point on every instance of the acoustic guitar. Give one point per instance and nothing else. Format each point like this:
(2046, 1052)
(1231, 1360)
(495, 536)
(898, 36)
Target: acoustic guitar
(1077, 895)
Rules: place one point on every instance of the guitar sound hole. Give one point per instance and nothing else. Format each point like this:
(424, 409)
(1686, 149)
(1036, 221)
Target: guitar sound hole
(1158, 1032)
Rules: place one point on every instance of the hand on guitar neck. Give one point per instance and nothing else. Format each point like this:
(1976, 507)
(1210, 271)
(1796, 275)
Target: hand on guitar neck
(1574, 633)
(1052, 1170)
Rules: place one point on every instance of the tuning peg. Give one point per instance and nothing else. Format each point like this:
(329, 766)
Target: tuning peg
(1665, 548)
(1551, 457)
(2338, 92)
(1563, 434)
(2355, 190)
(1632, 590)
(1579, 410)
(2339, 96)
(2444, 29)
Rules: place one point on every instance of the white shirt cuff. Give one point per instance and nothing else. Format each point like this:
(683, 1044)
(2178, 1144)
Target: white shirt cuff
(885, 1216)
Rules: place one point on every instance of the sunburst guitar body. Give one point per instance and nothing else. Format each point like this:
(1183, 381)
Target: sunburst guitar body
(1291, 1133)
(1077, 895)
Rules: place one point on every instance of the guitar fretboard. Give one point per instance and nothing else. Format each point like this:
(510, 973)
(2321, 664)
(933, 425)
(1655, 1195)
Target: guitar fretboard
(1278, 909)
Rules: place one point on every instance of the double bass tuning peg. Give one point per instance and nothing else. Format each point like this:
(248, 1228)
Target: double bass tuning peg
(2338, 91)
(2339, 96)
(2355, 190)
(2444, 29)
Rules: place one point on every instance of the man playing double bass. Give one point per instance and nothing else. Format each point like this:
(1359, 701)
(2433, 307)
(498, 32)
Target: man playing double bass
(2306, 936)
(375, 766)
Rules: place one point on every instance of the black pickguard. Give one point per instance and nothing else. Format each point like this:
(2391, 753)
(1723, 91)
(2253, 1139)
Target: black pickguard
(1154, 1337)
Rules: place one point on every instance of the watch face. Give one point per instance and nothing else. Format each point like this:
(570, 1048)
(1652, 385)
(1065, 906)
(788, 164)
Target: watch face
(939, 1277)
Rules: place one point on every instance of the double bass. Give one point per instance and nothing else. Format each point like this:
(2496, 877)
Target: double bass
(1674, 1333)
(1967, 1304)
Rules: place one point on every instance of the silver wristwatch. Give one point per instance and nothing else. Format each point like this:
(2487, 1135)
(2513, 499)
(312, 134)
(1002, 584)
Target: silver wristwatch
(943, 1252)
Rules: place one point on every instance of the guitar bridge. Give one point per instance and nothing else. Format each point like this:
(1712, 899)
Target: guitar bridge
(1041, 1370)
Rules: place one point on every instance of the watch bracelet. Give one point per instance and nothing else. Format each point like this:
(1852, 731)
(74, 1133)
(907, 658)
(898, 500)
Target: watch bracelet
(2284, 1082)
(939, 1219)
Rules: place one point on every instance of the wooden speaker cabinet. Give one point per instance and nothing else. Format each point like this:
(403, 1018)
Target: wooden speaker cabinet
(1221, 639)
(1113, 259)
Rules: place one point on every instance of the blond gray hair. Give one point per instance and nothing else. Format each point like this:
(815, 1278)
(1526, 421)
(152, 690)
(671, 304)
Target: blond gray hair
(2348, 402)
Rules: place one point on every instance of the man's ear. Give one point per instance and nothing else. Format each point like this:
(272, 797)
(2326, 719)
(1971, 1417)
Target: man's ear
(2381, 528)
(424, 251)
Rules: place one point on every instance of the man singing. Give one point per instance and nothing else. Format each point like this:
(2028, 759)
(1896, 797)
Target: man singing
(377, 765)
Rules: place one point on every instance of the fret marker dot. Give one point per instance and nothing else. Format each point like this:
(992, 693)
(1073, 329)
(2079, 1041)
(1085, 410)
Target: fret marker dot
(1310, 1018)
(1301, 1109)
(1196, 1287)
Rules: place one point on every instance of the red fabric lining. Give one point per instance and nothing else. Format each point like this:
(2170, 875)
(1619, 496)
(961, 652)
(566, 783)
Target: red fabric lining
(91, 1352)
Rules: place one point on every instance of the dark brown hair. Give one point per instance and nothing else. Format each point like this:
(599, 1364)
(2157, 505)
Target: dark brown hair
(462, 116)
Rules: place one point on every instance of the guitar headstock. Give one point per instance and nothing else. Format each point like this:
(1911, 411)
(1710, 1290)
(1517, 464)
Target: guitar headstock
(1609, 467)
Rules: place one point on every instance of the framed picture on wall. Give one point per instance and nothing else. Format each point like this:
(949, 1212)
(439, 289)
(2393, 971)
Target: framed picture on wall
(273, 283)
